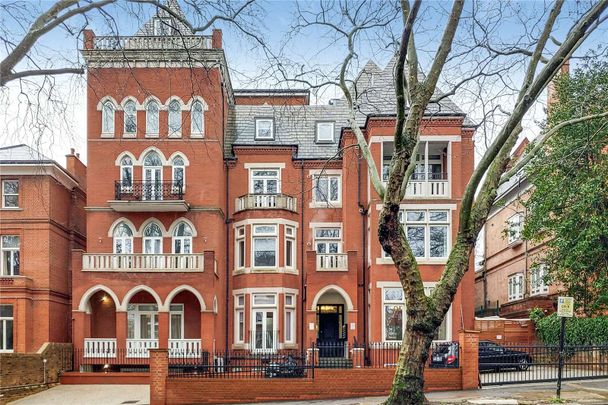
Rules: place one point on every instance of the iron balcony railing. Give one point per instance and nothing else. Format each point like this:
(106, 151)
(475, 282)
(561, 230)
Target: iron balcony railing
(159, 42)
(149, 191)
(266, 201)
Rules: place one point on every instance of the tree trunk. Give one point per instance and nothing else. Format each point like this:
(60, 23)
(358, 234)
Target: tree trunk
(408, 382)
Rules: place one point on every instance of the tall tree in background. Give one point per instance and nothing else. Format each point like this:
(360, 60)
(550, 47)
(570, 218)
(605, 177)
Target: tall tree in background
(569, 205)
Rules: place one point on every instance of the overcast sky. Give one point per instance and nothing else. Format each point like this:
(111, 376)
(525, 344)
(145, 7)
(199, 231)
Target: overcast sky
(59, 124)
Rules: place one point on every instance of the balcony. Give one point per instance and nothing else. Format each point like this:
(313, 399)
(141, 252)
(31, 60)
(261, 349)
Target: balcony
(146, 196)
(143, 262)
(94, 348)
(266, 202)
(332, 262)
(140, 348)
(433, 185)
(115, 43)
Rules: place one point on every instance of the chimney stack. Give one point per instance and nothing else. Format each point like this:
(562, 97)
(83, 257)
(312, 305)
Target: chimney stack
(76, 168)
(551, 93)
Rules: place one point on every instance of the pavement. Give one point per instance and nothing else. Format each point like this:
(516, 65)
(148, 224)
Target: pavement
(573, 392)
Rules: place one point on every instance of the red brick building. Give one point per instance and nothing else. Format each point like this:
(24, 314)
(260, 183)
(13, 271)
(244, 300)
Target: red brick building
(41, 221)
(222, 218)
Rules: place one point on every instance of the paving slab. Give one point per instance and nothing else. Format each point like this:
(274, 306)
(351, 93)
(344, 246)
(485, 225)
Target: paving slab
(90, 394)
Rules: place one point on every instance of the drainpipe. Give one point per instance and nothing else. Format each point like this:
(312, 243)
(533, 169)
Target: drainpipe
(227, 222)
(302, 285)
(363, 212)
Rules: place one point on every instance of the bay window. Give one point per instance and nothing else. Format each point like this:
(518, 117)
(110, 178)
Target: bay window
(240, 247)
(239, 319)
(290, 318)
(265, 246)
(290, 247)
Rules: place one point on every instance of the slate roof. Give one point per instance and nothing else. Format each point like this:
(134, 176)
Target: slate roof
(19, 154)
(296, 125)
(148, 28)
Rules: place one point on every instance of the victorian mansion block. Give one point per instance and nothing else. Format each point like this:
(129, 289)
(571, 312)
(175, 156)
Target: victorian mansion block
(232, 219)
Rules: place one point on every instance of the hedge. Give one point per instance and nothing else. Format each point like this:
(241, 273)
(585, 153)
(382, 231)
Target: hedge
(579, 331)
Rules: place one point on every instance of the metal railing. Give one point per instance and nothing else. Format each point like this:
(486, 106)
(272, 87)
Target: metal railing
(266, 201)
(142, 262)
(142, 190)
(332, 262)
(386, 355)
(152, 42)
(516, 363)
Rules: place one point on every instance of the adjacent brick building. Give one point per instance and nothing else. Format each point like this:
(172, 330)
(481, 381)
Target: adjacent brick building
(244, 219)
(41, 221)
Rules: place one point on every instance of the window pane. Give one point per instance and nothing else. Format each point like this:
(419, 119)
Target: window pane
(439, 241)
(288, 253)
(175, 119)
(107, 117)
(393, 294)
(322, 248)
(197, 118)
(439, 216)
(11, 201)
(152, 118)
(9, 241)
(176, 326)
(321, 190)
(145, 324)
(265, 229)
(153, 229)
(265, 254)
(11, 187)
(263, 299)
(415, 216)
(327, 232)
(288, 317)
(415, 237)
(130, 117)
(334, 192)
(6, 311)
(333, 247)
(442, 332)
(241, 247)
(152, 159)
(127, 176)
(393, 322)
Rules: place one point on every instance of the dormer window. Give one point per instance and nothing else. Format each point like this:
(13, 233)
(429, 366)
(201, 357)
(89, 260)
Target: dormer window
(264, 128)
(163, 26)
(325, 132)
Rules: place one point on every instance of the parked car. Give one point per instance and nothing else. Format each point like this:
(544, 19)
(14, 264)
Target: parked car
(445, 355)
(493, 356)
(288, 368)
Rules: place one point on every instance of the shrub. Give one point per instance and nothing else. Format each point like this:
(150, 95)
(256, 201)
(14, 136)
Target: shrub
(579, 331)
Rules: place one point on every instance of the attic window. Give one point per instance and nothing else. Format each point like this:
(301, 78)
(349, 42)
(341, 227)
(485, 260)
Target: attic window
(162, 26)
(325, 132)
(264, 128)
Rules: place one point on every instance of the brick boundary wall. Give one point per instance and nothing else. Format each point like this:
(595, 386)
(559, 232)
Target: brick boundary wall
(327, 383)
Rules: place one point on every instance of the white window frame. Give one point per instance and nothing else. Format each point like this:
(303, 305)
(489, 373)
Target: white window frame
(515, 225)
(290, 236)
(174, 168)
(136, 321)
(107, 107)
(152, 132)
(270, 307)
(258, 121)
(126, 188)
(177, 133)
(123, 239)
(327, 240)
(426, 223)
(175, 238)
(129, 134)
(265, 235)
(291, 325)
(239, 311)
(428, 289)
(12, 252)
(5, 194)
(162, 29)
(4, 320)
(194, 131)
(515, 287)
(152, 239)
(329, 202)
(325, 139)
(265, 179)
(240, 247)
(177, 309)
(537, 282)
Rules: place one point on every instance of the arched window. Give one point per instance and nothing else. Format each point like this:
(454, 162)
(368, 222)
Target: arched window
(126, 174)
(182, 239)
(107, 118)
(153, 176)
(197, 119)
(175, 118)
(179, 174)
(123, 239)
(130, 117)
(152, 118)
(153, 239)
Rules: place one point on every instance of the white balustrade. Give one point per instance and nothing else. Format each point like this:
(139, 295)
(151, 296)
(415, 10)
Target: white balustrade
(266, 201)
(152, 42)
(430, 188)
(139, 348)
(332, 262)
(184, 347)
(100, 347)
(142, 262)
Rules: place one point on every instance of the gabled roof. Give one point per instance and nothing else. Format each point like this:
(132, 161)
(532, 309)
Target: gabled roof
(148, 28)
(20, 154)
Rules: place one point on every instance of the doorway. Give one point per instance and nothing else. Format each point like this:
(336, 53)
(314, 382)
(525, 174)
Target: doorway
(332, 331)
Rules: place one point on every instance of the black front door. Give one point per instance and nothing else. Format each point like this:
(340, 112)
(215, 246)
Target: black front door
(332, 331)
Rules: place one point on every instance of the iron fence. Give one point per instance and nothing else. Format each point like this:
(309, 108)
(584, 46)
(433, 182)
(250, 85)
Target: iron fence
(239, 364)
(441, 355)
(513, 363)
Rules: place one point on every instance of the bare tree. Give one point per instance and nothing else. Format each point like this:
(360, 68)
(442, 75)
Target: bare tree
(536, 52)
